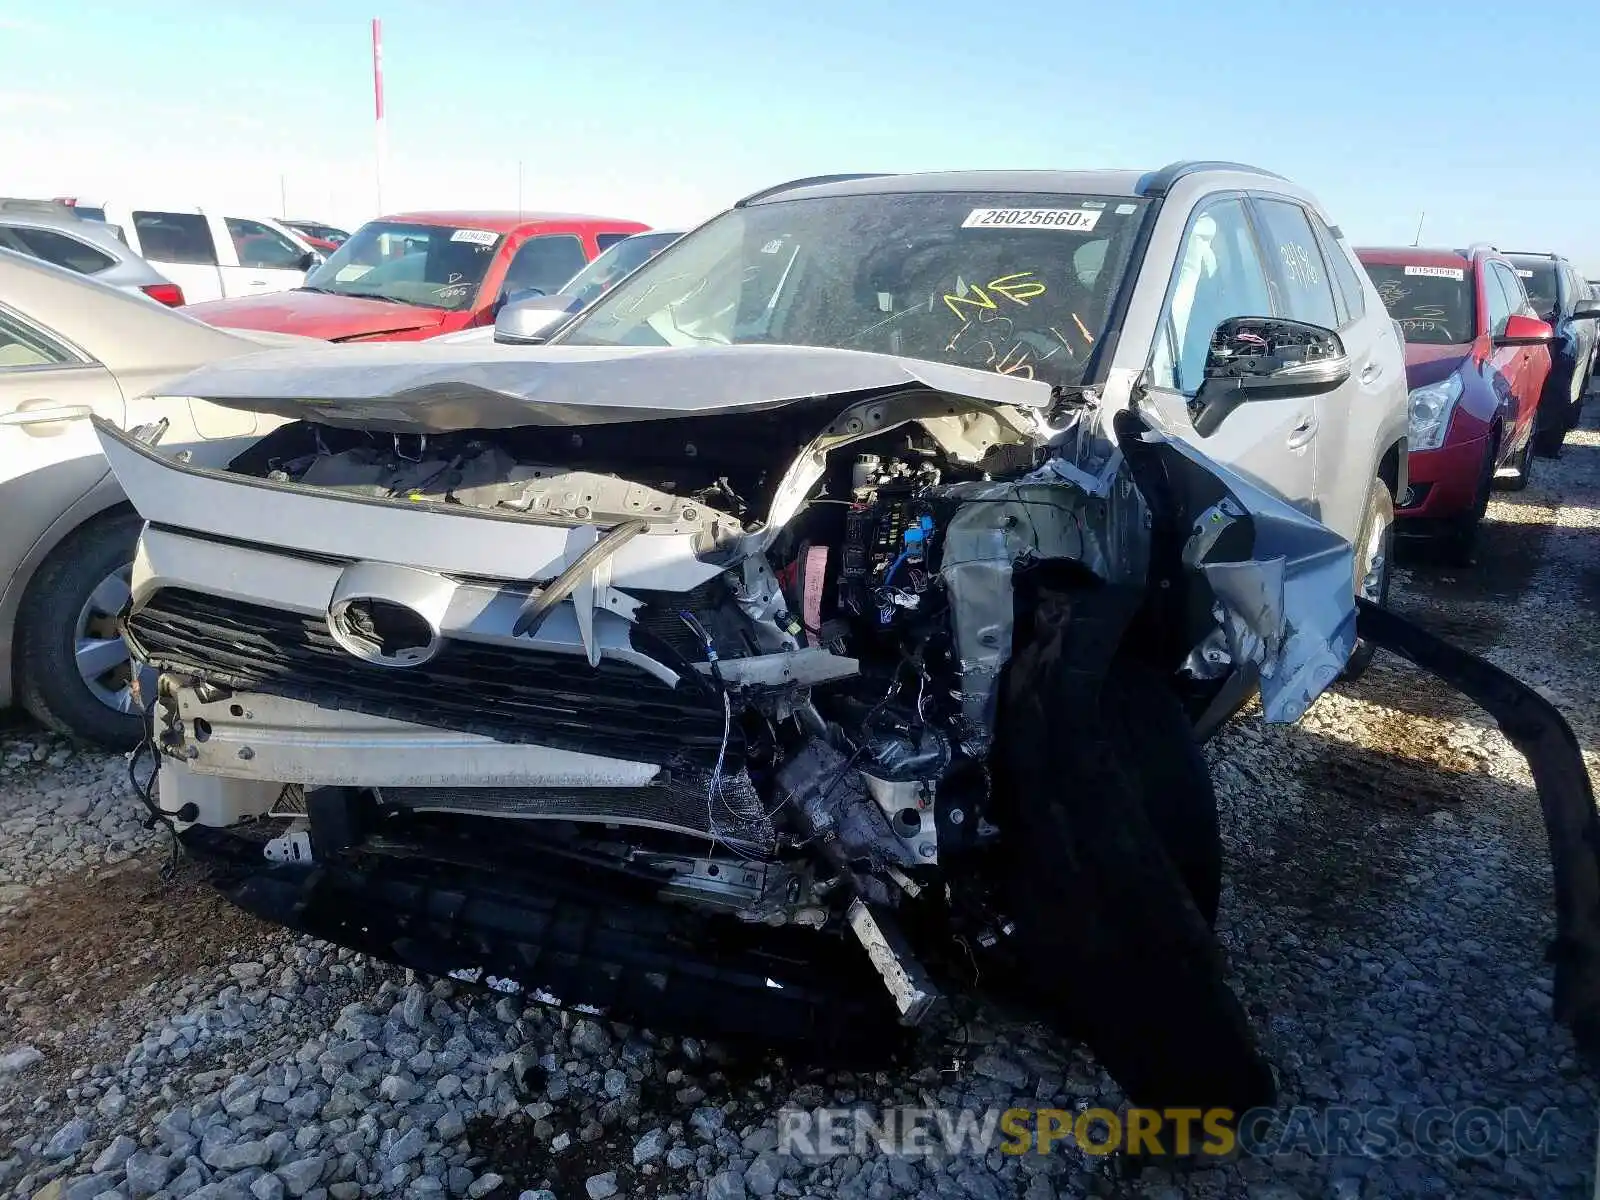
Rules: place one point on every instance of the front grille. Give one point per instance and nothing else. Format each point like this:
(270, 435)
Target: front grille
(512, 694)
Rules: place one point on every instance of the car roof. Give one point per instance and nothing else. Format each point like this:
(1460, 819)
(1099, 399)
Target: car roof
(1134, 184)
(1533, 255)
(1416, 256)
(500, 221)
(1097, 183)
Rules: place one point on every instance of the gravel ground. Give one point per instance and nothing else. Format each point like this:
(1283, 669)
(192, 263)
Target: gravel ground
(1388, 908)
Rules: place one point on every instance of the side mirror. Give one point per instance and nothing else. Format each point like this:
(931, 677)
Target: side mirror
(1266, 358)
(528, 318)
(1525, 331)
(311, 260)
(1587, 310)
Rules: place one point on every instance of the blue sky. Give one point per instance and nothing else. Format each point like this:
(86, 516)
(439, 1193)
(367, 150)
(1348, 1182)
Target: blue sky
(1479, 114)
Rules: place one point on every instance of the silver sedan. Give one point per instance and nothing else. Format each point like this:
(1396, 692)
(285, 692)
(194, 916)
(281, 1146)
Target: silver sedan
(71, 348)
(87, 248)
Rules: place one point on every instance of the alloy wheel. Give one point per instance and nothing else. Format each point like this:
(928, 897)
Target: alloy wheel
(103, 660)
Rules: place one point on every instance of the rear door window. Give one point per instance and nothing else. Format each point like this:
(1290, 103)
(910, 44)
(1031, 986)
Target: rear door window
(58, 248)
(175, 238)
(1295, 257)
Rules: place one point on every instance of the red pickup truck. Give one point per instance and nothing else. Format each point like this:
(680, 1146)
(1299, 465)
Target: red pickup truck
(415, 275)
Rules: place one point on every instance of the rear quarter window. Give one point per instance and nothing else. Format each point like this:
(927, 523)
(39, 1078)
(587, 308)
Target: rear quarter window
(1346, 273)
(59, 248)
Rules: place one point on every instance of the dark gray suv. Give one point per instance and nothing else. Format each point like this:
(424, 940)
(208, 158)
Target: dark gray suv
(1561, 296)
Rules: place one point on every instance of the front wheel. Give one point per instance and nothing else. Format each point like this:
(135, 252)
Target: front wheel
(74, 673)
(1110, 939)
(1374, 567)
(1459, 539)
(1550, 420)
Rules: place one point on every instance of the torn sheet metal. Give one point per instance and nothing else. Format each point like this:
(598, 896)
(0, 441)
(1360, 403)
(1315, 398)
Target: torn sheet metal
(413, 387)
(1290, 607)
(1566, 797)
(1000, 526)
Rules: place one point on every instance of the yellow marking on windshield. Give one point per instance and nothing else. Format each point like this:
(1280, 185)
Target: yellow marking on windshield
(1021, 287)
(1018, 288)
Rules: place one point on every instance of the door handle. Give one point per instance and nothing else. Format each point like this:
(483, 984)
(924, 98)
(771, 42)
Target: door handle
(46, 416)
(1371, 372)
(1303, 432)
(258, 282)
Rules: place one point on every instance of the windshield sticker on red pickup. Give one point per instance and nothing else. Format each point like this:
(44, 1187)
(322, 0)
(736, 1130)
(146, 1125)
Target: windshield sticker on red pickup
(1067, 220)
(478, 237)
(1459, 274)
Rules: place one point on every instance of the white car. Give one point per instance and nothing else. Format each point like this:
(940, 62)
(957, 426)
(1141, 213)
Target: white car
(72, 348)
(213, 255)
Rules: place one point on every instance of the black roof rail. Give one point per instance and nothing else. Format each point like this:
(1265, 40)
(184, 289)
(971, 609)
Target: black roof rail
(1532, 253)
(1159, 183)
(807, 181)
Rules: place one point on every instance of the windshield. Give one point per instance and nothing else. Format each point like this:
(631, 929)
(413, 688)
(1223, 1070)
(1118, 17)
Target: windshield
(1539, 280)
(1432, 304)
(1019, 284)
(435, 266)
(616, 264)
(326, 233)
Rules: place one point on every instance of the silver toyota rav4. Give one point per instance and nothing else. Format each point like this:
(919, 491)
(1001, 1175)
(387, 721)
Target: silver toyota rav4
(834, 604)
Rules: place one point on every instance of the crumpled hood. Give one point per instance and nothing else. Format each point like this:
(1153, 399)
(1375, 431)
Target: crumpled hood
(1429, 364)
(427, 387)
(313, 314)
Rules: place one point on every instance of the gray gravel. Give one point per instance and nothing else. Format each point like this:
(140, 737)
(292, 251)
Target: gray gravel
(1386, 917)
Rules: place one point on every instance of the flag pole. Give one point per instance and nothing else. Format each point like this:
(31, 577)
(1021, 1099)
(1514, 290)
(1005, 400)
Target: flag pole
(381, 146)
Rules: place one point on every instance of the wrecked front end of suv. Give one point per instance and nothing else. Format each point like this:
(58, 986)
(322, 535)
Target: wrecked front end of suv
(770, 690)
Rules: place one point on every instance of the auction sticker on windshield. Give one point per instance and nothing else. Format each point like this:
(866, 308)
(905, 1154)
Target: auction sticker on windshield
(478, 237)
(1070, 220)
(1459, 274)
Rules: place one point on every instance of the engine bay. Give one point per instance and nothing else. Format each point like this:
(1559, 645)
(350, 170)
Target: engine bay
(859, 786)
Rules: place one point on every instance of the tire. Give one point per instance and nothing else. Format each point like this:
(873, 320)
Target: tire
(1550, 418)
(1174, 786)
(1377, 532)
(1459, 539)
(1109, 938)
(1549, 433)
(1580, 386)
(49, 683)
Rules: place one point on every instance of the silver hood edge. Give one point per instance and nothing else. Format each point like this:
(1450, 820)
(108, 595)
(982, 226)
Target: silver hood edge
(425, 387)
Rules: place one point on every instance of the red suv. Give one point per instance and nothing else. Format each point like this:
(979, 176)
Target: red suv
(414, 275)
(1477, 357)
